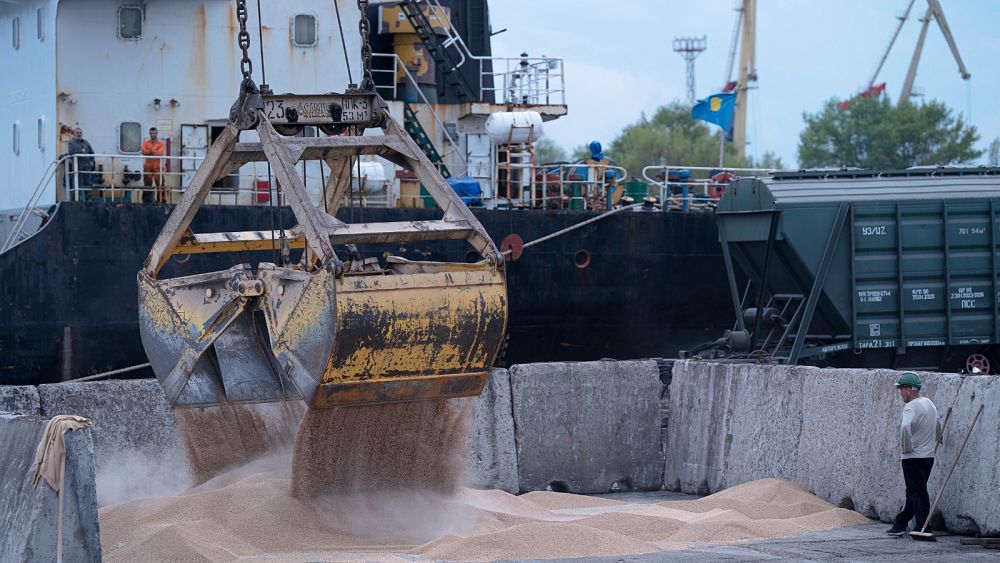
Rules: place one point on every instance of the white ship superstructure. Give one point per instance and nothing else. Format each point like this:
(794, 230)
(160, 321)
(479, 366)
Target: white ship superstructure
(116, 68)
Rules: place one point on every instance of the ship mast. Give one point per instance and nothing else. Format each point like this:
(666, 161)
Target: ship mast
(748, 71)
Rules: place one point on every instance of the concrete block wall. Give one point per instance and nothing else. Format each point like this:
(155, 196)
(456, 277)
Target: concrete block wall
(130, 416)
(492, 455)
(589, 427)
(20, 399)
(835, 431)
(29, 515)
(134, 427)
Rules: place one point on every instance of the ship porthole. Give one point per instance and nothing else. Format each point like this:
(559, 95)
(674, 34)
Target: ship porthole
(581, 259)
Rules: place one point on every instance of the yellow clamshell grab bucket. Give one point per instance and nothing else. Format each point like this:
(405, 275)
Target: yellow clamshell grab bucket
(327, 331)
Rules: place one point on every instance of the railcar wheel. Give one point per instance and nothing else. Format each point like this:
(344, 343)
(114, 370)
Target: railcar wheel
(977, 364)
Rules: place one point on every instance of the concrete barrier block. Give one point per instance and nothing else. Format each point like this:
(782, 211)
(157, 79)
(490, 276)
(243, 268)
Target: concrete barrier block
(137, 443)
(128, 415)
(835, 431)
(842, 419)
(590, 427)
(20, 399)
(721, 412)
(492, 455)
(969, 503)
(29, 515)
(762, 428)
(696, 446)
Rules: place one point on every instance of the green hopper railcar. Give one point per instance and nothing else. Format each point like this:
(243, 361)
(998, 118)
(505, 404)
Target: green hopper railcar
(864, 268)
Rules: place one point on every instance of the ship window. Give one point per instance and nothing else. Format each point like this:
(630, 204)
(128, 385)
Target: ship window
(16, 33)
(304, 30)
(40, 13)
(16, 145)
(41, 134)
(130, 22)
(130, 137)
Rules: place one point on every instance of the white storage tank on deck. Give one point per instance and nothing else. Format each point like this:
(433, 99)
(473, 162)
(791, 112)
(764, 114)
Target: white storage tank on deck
(514, 127)
(375, 181)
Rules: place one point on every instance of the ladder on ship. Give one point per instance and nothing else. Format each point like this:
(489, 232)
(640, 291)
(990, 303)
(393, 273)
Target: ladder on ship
(445, 59)
(19, 230)
(412, 126)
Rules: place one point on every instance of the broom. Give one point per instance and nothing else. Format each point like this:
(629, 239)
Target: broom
(923, 534)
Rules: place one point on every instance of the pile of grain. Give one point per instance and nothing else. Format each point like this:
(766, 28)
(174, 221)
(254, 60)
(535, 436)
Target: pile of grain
(251, 514)
(382, 482)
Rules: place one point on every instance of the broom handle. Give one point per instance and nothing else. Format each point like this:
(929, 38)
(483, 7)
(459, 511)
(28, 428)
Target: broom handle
(952, 470)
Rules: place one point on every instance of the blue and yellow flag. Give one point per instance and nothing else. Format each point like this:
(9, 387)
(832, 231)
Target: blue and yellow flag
(717, 109)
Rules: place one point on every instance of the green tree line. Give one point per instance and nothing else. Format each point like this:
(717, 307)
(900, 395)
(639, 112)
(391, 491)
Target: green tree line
(867, 133)
(670, 136)
(874, 133)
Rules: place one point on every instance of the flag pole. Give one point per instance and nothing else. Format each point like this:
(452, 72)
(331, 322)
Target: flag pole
(722, 147)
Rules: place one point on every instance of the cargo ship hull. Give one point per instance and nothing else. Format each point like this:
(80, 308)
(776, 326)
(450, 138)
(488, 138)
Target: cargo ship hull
(632, 285)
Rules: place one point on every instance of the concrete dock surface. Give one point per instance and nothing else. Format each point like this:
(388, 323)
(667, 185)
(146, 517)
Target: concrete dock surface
(867, 542)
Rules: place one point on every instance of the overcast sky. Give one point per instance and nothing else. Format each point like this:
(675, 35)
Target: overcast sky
(620, 63)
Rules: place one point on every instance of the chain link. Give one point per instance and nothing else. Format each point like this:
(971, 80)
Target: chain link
(364, 27)
(246, 65)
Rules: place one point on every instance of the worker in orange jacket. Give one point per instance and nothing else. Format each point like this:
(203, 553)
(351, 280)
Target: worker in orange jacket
(152, 176)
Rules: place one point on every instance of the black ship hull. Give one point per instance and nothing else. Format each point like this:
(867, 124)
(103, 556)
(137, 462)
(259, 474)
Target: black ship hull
(632, 285)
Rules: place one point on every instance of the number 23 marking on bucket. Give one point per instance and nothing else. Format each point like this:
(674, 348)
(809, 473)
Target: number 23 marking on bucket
(275, 109)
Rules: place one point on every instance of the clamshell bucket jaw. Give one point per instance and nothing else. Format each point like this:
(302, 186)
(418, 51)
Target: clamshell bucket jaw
(324, 331)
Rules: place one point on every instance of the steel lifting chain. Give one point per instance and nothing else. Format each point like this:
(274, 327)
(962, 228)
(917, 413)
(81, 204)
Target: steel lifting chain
(246, 65)
(364, 27)
(244, 112)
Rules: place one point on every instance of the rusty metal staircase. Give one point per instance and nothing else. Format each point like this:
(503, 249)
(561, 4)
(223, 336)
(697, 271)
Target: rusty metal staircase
(412, 126)
(438, 50)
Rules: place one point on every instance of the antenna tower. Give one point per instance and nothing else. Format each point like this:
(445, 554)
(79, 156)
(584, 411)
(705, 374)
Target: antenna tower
(689, 48)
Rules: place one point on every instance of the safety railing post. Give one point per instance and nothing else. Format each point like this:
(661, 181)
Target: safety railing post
(76, 178)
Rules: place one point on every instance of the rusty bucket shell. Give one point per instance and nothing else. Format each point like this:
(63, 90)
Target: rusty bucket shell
(415, 331)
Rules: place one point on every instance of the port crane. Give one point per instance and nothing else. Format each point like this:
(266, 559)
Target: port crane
(936, 13)
(744, 35)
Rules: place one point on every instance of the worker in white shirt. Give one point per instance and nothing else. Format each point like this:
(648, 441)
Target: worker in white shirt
(918, 433)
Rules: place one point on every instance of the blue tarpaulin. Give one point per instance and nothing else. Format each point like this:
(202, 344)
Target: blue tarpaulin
(467, 188)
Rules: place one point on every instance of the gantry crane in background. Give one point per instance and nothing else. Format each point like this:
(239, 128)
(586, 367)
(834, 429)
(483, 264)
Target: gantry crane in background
(934, 12)
(746, 22)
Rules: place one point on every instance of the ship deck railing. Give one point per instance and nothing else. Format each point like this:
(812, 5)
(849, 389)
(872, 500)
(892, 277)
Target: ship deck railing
(511, 81)
(518, 81)
(686, 188)
(418, 96)
(523, 81)
(573, 186)
(120, 178)
(578, 186)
